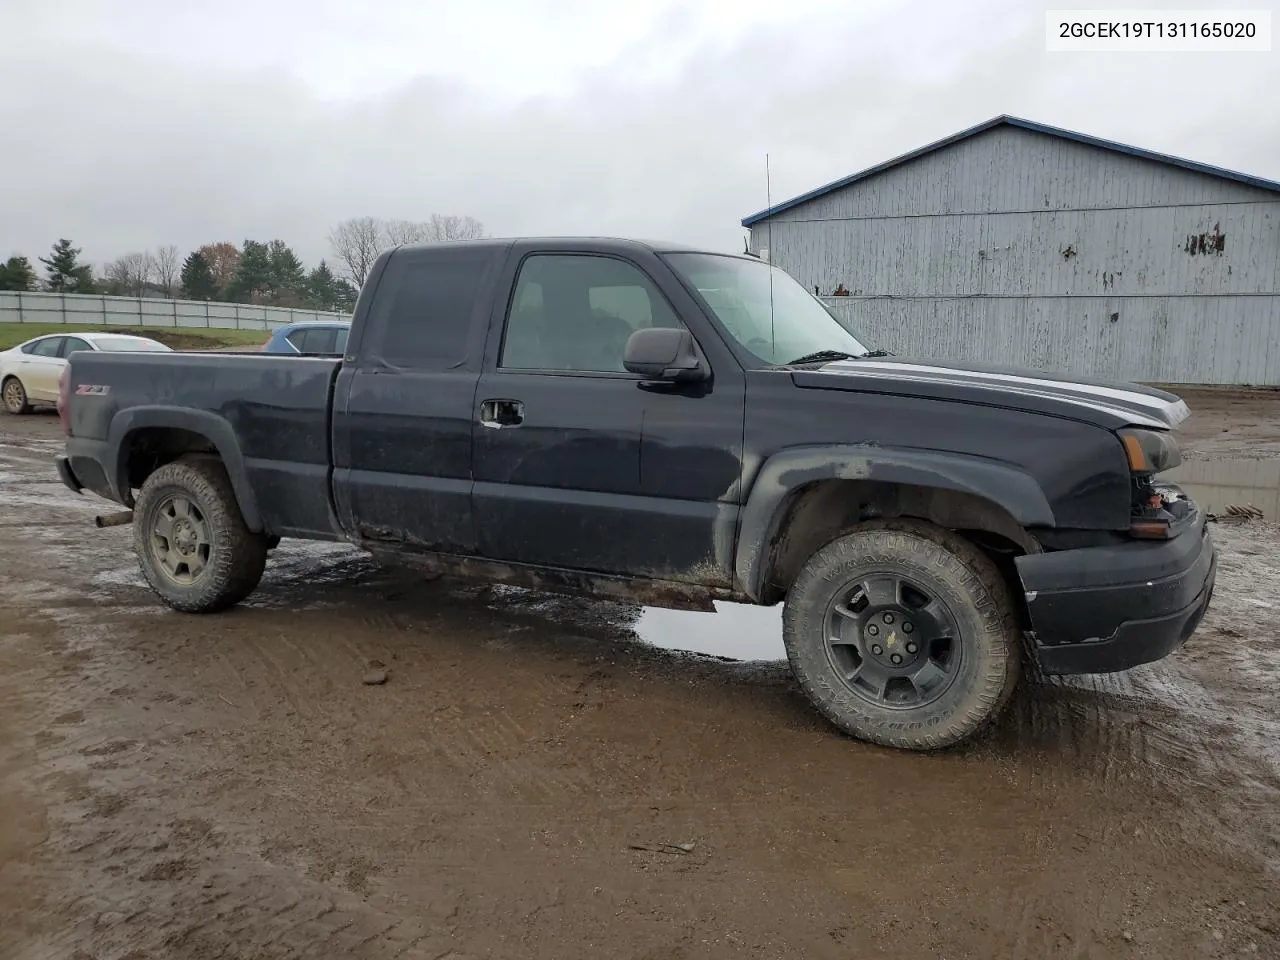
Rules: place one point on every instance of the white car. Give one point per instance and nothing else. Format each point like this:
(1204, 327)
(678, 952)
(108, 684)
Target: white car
(29, 372)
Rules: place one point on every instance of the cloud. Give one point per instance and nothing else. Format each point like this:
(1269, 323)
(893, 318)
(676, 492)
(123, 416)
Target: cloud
(119, 141)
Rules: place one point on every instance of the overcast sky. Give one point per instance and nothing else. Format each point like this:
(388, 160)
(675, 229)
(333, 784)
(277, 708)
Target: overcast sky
(125, 124)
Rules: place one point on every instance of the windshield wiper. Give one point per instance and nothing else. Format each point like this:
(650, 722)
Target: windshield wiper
(828, 355)
(823, 355)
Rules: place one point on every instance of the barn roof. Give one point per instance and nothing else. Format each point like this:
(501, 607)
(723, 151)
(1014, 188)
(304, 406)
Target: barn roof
(1007, 121)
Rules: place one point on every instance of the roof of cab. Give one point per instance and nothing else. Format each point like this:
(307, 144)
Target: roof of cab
(603, 244)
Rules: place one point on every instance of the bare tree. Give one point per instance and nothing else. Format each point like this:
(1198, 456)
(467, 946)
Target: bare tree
(131, 273)
(166, 268)
(357, 243)
(396, 232)
(115, 275)
(442, 227)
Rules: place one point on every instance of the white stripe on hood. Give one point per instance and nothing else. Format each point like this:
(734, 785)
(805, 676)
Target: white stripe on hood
(1066, 391)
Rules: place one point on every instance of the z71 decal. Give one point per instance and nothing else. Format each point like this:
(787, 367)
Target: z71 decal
(91, 390)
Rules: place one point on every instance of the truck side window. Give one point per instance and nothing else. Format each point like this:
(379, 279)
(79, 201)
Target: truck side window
(576, 312)
(428, 321)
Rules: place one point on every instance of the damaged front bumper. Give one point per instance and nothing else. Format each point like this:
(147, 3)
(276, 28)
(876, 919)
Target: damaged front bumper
(1108, 608)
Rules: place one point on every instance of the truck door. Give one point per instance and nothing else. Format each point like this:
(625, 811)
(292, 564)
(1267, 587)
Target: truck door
(582, 465)
(403, 404)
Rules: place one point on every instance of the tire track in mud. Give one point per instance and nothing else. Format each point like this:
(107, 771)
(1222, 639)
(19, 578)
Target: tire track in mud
(159, 887)
(262, 910)
(282, 927)
(1155, 725)
(316, 680)
(499, 754)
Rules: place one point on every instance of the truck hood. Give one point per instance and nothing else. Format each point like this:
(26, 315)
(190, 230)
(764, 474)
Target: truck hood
(1105, 403)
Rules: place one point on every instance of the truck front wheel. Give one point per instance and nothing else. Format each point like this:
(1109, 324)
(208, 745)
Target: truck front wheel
(192, 543)
(903, 634)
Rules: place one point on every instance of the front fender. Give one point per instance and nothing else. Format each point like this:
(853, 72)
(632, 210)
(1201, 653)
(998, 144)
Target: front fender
(217, 430)
(790, 470)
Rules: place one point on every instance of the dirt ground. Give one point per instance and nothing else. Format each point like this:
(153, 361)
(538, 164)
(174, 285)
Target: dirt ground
(1234, 423)
(226, 786)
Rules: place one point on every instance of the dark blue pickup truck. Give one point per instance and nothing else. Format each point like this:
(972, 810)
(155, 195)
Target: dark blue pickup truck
(672, 426)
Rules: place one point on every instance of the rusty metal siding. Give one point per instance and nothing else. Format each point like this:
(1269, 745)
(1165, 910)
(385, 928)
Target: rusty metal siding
(1206, 249)
(1007, 169)
(1022, 248)
(1212, 340)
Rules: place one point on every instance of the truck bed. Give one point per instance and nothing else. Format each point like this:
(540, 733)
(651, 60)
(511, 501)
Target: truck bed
(267, 415)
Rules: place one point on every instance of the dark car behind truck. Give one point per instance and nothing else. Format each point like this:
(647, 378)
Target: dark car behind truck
(672, 426)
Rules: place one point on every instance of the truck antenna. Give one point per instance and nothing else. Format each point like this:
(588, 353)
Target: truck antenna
(768, 206)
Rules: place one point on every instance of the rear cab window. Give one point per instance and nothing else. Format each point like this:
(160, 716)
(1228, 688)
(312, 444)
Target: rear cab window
(434, 313)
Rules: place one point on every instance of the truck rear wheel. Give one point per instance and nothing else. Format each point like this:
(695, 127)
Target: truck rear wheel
(903, 634)
(191, 539)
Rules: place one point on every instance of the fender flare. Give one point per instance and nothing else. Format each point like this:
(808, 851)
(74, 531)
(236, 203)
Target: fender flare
(217, 430)
(786, 472)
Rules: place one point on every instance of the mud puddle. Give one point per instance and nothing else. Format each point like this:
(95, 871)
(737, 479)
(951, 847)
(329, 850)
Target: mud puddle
(736, 631)
(1232, 481)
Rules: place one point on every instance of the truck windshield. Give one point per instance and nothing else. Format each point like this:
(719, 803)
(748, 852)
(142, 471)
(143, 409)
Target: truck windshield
(779, 325)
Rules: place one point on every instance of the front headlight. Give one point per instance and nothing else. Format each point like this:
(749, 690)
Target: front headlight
(1150, 451)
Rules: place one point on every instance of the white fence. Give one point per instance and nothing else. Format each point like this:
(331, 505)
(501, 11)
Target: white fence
(16, 307)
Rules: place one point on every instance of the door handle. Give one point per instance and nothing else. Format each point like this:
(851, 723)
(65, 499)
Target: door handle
(497, 414)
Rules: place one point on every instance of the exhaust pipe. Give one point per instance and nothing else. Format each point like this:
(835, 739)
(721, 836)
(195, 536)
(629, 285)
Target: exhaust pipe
(114, 519)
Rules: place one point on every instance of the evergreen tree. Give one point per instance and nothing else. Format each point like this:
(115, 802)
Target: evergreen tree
(322, 288)
(344, 295)
(287, 281)
(65, 272)
(198, 282)
(252, 276)
(16, 274)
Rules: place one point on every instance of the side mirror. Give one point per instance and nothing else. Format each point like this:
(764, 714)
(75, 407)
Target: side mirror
(665, 353)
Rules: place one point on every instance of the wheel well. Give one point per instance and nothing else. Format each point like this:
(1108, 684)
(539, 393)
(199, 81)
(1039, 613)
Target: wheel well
(819, 512)
(149, 448)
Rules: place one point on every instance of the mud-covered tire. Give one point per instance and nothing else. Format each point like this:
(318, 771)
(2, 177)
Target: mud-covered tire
(14, 396)
(976, 603)
(231, 557)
